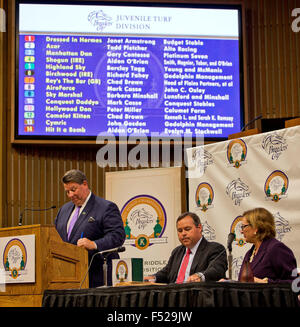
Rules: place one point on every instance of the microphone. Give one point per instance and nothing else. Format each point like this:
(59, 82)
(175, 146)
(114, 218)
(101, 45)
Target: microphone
(119, 249)
(231, 237)
(251, 121)
(29, 209)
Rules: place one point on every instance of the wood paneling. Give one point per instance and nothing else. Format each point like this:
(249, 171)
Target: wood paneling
(31, 173)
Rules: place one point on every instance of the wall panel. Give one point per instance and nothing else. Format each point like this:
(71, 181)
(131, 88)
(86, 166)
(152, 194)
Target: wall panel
(31, 173)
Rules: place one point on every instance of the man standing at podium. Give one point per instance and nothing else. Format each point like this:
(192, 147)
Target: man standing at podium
(90, 222)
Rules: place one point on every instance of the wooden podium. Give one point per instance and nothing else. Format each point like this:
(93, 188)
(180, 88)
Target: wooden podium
(58, 265)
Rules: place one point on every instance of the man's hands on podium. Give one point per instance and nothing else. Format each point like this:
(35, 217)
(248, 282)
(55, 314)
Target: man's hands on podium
(194, 278)
(87, 244)
(191, 279)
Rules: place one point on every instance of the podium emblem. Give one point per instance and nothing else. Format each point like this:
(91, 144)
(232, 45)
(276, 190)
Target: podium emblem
(15, 257)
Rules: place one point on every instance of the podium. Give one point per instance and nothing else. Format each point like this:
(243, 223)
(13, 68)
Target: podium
(58, 265)
(249, 132)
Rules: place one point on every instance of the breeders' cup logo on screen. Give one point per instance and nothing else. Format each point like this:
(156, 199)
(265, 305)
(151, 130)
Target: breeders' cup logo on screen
(145, 220)
(237, 190)
(236, 229)
(100, 20)
(236, 153)
(201, 159)
(15, 258)
(208, 232)
(204, 196)
(276, 186)
(282, 226)
(122, 271)
(274, 145)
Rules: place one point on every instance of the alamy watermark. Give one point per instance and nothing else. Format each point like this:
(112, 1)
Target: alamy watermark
(126, 149)
(296, 22)
(296, 281)
(2, 20)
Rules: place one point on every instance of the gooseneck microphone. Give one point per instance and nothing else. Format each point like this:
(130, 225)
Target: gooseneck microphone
(119, 249)
(231, 237)
(251, 121)
(29, 209)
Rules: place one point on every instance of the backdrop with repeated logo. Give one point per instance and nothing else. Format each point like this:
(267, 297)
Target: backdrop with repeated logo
(227, 178)
(150, 202)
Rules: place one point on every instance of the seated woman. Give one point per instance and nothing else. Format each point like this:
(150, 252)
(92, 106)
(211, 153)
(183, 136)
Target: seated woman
(270, 260)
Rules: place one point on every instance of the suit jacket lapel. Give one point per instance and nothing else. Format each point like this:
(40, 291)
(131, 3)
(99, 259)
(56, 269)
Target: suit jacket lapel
(176, 265)
(198, 258)
(260, 254)
(66, 218)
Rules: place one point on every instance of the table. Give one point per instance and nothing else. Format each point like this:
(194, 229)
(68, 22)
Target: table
(191, 295)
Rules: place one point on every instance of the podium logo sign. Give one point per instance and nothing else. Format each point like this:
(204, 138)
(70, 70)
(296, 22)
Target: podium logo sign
(122, 271)
(144, 219)
(18, 257)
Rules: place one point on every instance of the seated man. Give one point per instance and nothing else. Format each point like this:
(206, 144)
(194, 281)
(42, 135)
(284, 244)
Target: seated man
(196, 260)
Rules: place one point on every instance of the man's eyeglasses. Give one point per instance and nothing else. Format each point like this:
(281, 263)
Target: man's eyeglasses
(244, 226)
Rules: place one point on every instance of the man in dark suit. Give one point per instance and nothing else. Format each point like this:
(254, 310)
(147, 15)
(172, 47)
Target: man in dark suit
(207, 261)
(90, 222)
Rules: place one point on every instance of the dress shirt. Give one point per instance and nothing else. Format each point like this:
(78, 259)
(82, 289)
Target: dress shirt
(191, 258)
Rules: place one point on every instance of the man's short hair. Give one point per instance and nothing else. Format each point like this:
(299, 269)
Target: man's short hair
(195, 218)
(74, 176)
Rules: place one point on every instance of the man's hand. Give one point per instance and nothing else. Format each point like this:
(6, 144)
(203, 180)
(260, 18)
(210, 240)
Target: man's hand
(87, 244)
(149, 279)
(193, 278)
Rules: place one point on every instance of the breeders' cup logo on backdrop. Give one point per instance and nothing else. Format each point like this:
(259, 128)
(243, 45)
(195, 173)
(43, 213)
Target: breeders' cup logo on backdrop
(274, 145)
(122, 271)
(100, 20)
(236, 229)
(15, 258)
(145, 220)
(237, 190)
(276, 186)
(208, 232)
(204, 196)
(236, 153)
(201, 159)
(282, 226)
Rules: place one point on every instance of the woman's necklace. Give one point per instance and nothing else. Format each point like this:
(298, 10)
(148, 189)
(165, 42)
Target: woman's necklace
(253, 254)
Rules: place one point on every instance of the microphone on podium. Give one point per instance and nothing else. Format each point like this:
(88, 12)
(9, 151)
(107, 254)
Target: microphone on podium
(119, 249)
(230, 239)
(29, 209)
(251, 122)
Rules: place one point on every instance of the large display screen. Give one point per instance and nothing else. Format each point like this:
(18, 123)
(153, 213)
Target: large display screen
(90, 68)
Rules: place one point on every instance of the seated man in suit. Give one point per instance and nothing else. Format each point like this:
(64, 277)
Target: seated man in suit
(196, 260)
(89, 222)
